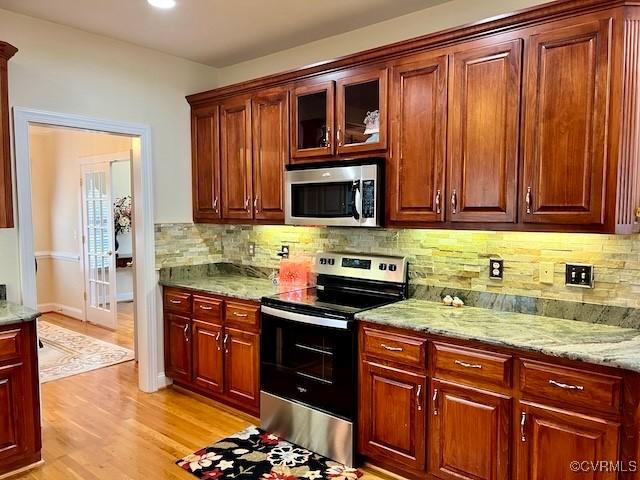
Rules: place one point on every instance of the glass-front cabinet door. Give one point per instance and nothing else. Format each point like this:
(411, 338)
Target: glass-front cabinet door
(361, 112)
(313, 130)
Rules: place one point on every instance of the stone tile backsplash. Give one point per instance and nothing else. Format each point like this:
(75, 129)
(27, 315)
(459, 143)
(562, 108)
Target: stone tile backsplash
(440, 258)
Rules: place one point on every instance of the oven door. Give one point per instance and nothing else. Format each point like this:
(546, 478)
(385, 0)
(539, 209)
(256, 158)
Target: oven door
(310, 364)
(338, 196)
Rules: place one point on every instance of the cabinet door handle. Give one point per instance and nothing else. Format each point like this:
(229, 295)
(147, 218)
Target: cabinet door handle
(241, 315)
(454, 202)
(566, 386)
(218, 341)
(224, 343)
(215, 204)
(435, 402)
(327, 138)
(175, 302)
(246, 203)
(255, 205)
(185, 331)
(206, 307)
(527, 199)
(419, 398)
(523, 425)
(339, 136)
(438, 195)
(391, 349)
(467, 365)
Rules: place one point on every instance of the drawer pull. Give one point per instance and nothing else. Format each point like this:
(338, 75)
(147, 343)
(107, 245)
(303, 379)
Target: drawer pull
(435, 402)
(206, 307)
(467, 365)
(175, 302)
(391, 349)
(241, 315)
(523, 424)
(566, 386)
(418, 397)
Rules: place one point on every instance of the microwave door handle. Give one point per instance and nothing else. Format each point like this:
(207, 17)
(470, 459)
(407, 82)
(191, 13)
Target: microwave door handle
(356, 199)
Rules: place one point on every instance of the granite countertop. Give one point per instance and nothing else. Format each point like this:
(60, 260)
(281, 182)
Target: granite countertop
(10, 313)
(588, 342)
(230, 285)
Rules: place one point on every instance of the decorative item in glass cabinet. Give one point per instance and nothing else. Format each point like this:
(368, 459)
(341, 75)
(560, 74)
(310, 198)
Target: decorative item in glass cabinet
(372, 126)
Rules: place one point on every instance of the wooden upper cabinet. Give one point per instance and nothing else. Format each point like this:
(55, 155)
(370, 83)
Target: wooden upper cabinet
(469, 434)
(312, 120)
(484, 133)
(393, 415)
(361, 112)
(565, 126)
(235, 158)
(550, 439)
(270, 133)
(205, 164)
(419, 118)
(6, 193)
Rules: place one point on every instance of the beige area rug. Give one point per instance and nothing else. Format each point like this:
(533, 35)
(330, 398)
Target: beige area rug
(66, 353)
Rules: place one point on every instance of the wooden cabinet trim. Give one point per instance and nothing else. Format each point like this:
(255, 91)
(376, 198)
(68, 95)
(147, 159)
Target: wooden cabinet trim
(11, 345)
(205, 163)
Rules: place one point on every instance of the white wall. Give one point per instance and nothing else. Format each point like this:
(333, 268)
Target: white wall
(429, 20)
(67, 70)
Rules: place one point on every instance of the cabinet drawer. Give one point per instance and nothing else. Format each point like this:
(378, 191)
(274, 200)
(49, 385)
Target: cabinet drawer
(177, 301)
(207, 309)
(10, 341)
(242, 315)
(453, 362)
(395, 347)
(571, 386)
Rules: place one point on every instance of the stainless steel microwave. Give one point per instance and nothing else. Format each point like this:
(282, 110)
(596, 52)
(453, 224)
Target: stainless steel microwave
(348, 195)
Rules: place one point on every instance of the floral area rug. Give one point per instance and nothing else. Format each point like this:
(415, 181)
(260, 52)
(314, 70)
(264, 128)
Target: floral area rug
(254, 454)
(65, 353)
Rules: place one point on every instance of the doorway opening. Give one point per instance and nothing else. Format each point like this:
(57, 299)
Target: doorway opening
(82, 201)
(147, 334)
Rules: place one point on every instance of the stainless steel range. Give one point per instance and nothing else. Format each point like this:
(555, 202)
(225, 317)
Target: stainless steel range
(309, 350)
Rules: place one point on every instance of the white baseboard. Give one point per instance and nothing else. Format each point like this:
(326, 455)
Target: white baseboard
(63, 309)
(163, 381)
(63, 256)
(125, 297)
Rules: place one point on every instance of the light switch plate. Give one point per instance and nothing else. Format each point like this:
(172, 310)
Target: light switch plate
(546, 272)
(579, 275)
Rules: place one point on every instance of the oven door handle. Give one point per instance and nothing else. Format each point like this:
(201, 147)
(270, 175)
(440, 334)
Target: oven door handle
(356, 199)
(303, 318)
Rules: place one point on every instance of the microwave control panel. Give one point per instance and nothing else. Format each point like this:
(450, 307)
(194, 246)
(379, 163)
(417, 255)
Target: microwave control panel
(368, 199)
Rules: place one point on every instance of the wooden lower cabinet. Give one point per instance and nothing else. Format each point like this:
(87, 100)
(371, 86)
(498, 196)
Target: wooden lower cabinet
(177, 346)
(242, 366)
(210, 350)
(393, 415)
(207, 356)
(469, 433)
(20, 434)
(550, 440)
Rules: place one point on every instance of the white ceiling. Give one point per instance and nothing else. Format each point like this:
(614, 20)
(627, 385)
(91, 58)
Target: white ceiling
(218, 32)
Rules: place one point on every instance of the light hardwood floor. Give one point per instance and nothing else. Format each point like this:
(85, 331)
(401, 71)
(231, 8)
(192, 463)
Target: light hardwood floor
(98, 425)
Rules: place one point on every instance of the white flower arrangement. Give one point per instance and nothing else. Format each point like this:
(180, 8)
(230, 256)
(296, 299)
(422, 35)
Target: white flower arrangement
(122, 215)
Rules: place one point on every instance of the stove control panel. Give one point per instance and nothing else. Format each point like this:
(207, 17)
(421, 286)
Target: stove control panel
(368, 267)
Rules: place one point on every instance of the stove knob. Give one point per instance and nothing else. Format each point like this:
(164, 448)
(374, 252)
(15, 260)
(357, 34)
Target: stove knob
(332, 261)
(383, 266)
(323, 261)
(392, 267)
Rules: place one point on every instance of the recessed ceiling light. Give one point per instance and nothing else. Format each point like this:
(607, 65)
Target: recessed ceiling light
(165, 4)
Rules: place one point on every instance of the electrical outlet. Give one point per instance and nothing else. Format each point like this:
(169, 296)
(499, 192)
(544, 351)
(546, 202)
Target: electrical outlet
(251, 249)
(496, 268)
(284, 251)
(579, 275)
(546, 272)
